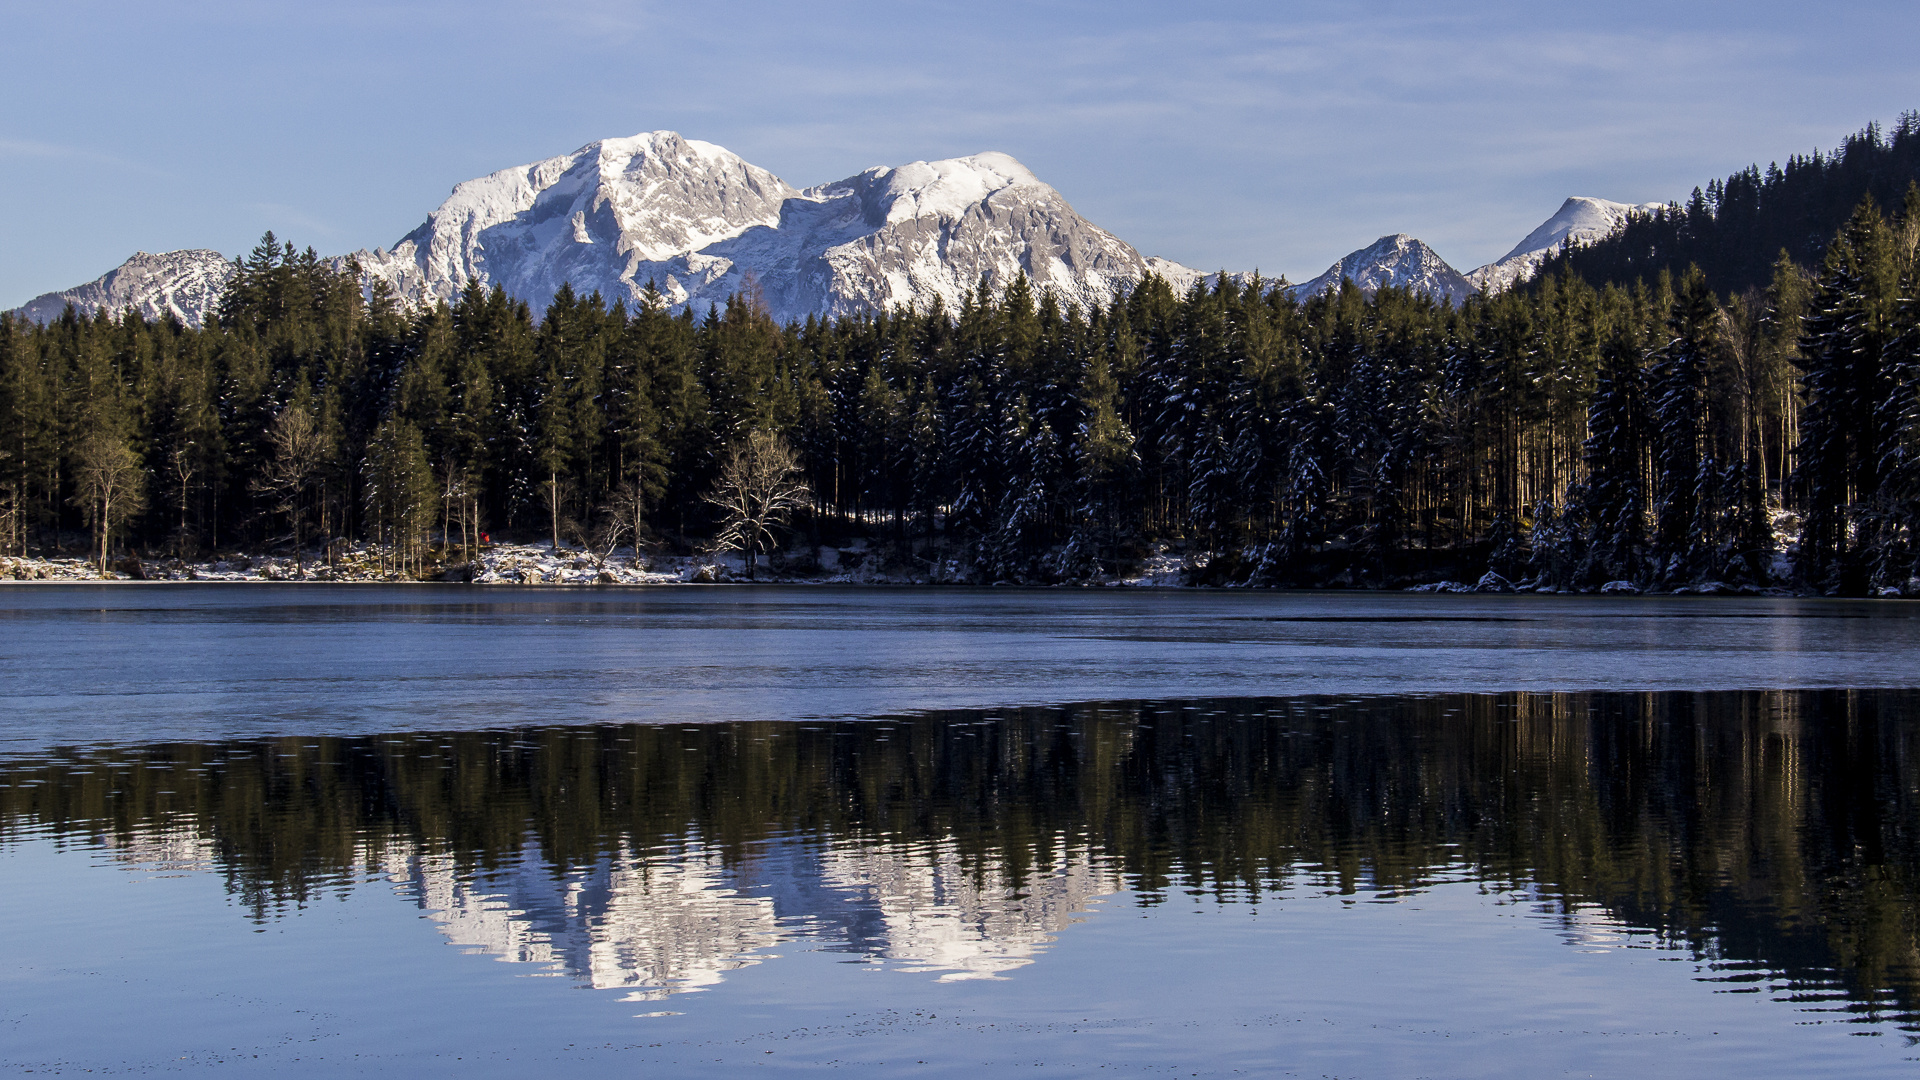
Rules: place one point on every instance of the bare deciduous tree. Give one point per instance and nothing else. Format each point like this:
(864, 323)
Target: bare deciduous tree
(12, 520)
(299, 448)
(456, 491)
(758, 486)
(623, 517)
(112, 487)
(182, 468)
(402, 494)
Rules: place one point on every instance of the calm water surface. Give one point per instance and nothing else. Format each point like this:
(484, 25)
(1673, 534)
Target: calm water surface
(108, 663)
(901, 833)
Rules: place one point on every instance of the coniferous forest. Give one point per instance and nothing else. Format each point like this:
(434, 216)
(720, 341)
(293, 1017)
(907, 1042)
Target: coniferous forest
(1598, 425)
(1735, 228)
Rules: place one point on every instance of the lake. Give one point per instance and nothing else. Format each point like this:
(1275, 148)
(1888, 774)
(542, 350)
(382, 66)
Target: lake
(690, 831)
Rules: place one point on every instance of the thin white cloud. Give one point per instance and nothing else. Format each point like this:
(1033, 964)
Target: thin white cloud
(47, 151)
(1280, 133)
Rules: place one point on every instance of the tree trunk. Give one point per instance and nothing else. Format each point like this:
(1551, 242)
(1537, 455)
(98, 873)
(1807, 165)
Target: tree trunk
(296, 532)
(446, 513)
(106, 507)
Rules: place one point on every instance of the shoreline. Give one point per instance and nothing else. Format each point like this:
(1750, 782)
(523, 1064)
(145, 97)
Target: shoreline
(538, 566)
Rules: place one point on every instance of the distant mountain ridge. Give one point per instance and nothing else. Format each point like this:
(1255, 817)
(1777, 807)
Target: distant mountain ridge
(1402, 262)
(702, 224)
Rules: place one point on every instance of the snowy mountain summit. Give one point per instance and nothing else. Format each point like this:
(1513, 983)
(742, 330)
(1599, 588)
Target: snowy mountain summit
(1579, 220)
(701, 225)
(594, 218)
(1402, 262)
(1398, 261)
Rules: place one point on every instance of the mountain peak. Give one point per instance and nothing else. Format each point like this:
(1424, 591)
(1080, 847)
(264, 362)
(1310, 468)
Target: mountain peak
(662, 142)
(1580, 216)
(185, 284)
(1579, 220)
(1394, 261)
(950, 187)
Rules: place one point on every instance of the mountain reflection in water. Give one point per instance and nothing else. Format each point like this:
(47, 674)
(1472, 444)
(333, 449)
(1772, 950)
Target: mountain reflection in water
(1772, 834)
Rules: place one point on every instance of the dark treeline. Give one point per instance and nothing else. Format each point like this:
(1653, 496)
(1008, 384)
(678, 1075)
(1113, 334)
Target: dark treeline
(1569, 434)
(1768, 829)
(1736, 228)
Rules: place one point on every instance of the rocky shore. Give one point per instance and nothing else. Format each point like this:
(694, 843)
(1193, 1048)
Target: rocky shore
(856, 564)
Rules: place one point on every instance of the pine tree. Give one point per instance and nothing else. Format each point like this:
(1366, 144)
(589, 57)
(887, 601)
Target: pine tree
(1104, 471)
(1687, 500)
(1896, 508)
(1846, 381)
(883, 442)
(973, 415)
(1616, 457)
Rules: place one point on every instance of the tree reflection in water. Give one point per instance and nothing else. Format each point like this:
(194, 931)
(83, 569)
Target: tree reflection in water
(1774, 834)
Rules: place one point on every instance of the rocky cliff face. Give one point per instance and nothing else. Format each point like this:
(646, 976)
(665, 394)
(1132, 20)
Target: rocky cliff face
(184, 284)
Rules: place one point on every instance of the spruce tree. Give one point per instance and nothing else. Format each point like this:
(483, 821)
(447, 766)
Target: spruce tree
(1686, 497)
(1846, 381)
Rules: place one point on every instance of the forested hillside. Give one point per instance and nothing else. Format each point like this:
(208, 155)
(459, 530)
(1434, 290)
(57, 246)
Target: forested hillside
(1737, 227)
(1564, 433)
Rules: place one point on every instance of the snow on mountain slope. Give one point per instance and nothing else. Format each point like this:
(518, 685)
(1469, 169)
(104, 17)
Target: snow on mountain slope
(703, 225)
(948, 224)
(1398, 261)
(593, 218)
(699, 223)
(186, 284)
(1579, 220)
(907, 236)
(1181, 279)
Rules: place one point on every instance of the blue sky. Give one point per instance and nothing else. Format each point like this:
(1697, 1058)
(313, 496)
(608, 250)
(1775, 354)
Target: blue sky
(1275, 135)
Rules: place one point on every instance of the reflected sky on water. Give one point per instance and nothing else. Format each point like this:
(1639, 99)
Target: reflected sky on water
(85, 664)
(1451, 884)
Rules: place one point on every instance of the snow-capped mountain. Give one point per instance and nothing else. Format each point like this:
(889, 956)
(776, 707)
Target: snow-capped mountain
(1579, 220)
(1398, 261)
(185, 283)
(1406, 263)
(701, 223)
(594, 218)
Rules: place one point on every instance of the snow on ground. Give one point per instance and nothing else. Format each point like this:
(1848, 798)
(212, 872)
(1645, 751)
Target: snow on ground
(857, 562)
(520, 564)
(352, 564)
(1163, 567)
